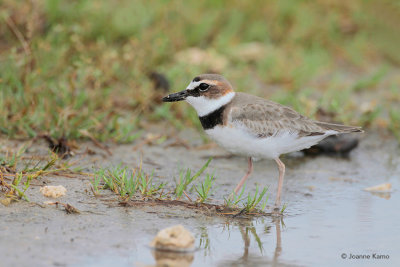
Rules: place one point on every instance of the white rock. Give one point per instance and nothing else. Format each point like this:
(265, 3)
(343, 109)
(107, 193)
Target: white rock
(173, 238)
(53, 191)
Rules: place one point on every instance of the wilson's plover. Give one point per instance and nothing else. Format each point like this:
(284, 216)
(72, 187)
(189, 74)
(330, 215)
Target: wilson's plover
(252, 126)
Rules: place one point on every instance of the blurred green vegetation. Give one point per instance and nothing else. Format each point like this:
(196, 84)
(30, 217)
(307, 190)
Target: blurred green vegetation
(81, 68)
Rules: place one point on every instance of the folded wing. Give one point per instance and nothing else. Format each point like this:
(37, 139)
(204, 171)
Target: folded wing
(265, 118)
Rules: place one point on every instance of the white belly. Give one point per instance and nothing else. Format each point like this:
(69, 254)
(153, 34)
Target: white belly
(240, 142)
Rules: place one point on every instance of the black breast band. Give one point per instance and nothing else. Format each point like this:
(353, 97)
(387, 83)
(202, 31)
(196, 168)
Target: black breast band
(213, 119)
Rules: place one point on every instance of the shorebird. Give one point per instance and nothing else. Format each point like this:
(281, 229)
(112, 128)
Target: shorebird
(251, 126)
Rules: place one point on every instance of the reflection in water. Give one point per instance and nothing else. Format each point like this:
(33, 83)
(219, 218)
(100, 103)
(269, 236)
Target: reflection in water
(249, 230)
(172, 259)
(246, 241)
(278, 247)
(384, 195)
(204, 240)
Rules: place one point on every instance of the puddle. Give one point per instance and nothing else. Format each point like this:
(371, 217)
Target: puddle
(329, 218)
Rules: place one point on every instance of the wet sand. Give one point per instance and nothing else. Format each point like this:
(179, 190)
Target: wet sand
(329, 218)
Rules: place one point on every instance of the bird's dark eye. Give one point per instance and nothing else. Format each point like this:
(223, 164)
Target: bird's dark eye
(203, 86)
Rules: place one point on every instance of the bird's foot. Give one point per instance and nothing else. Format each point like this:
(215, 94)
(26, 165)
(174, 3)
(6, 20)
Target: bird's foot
(276, 209)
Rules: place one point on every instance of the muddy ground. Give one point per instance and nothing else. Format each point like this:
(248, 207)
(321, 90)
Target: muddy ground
(329, 218)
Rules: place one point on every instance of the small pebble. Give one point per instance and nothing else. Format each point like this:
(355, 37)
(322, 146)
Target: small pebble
(53, 191)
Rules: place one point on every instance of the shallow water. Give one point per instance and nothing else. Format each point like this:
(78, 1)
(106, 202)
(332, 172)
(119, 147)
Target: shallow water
(328, 218)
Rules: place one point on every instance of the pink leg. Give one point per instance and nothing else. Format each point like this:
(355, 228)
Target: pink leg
(249, 171)
(281, 168)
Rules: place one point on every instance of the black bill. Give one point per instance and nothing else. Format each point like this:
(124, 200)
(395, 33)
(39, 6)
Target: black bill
(176, 96)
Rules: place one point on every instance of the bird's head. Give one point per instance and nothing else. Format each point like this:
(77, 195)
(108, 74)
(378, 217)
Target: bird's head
(206, 93)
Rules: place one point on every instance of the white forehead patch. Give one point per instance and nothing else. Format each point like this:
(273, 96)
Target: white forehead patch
(205, 106)
(192, 85)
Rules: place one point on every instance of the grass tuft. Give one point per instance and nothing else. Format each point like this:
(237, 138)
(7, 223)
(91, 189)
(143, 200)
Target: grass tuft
(133, 184)
(204, 189)
(233, 200)
(283, 208)
(23, 172)
(254, 200)
(185, 178)
(125, 182)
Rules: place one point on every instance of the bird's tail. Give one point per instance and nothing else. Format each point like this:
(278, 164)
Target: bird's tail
(340, 128)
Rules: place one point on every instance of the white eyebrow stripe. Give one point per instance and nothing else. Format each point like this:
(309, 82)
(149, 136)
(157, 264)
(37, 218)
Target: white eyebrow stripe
(192, 85)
